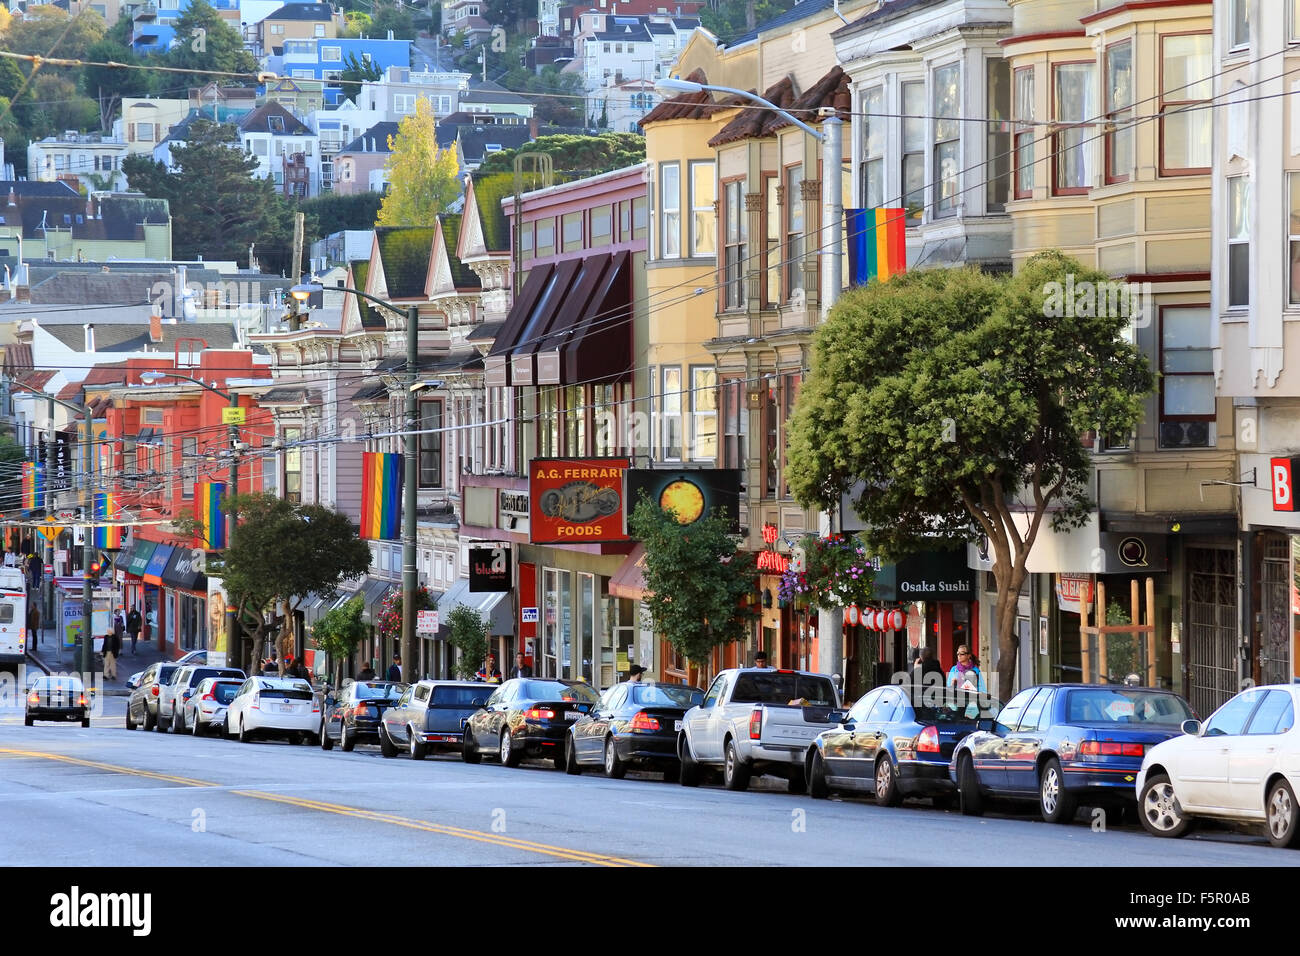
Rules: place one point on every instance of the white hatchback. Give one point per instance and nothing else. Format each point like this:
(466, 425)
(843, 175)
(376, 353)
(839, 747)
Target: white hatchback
(1242, 764)
(274, 707)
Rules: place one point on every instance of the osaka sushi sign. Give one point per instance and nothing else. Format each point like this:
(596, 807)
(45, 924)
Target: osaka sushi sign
(576, 500)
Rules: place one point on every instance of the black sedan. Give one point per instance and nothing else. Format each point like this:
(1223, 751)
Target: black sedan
(896, 742)
(527, 717)
(634, 724)
(57, 698)
(353, 715)
(1066, 744)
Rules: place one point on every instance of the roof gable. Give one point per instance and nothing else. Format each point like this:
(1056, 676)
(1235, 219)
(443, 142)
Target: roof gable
(404, 253)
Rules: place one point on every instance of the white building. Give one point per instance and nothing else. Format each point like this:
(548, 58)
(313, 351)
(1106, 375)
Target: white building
(95, 161)
(282, 145)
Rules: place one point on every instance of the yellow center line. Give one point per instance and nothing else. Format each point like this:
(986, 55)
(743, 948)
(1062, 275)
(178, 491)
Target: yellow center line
(495, 839)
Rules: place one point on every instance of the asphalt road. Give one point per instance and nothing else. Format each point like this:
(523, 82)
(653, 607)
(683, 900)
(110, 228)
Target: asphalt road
(154, 799)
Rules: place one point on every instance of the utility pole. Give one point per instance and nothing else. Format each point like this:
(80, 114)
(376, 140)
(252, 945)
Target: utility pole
(88, 551)
(47, 589)
(410, 499)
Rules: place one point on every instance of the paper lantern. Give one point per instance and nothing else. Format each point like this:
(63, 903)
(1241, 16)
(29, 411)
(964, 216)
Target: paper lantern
(897, 619)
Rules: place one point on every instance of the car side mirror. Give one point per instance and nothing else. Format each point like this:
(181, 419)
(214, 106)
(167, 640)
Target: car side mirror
(836, 716)
(478, 702)
(1192, 728)
(329, 701)
(985, 724)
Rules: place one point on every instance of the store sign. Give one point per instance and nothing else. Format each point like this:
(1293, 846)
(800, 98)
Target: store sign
(576, 500)
(770, 561)
(528, 615)
(1131, 553)
(1283, 472)
(691, 494)
(928, 575)
(1073, 591)
(512, 511)
(490, 569)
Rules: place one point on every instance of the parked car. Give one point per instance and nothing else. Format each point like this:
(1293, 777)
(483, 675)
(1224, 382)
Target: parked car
(634, 724)
(173, 694)
(1242, 764)
(352, 714)
(1062, 744)
(756, 721)
(430, 716)
(134, 681)
(194, 657)
(142, 705)
(897, 742)
(57, 698)
(205, 708)
(526, 717)
(274, 707)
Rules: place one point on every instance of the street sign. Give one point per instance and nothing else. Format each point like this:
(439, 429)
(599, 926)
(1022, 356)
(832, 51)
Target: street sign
(528, 615)
(426, 622)
(49, 531)
(232, 416)
(49, 569)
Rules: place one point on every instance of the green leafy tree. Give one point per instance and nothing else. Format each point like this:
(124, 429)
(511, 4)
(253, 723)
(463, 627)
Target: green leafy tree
(218, 207)
(391, 16)
(207, 42)
(46, 30)
(557, 97)
(11, 79)
(355, 73)
(728, 19)
(696, 580)
(355, 23)
(331, 213)
(576, 155)
(107, 84)
(281, 552)
(339, 632)
(56, 104)
(958, 400)
(468, 634)
(422, 179)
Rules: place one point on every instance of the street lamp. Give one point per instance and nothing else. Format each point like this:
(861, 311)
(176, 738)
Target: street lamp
(150, 378)
(410, 458)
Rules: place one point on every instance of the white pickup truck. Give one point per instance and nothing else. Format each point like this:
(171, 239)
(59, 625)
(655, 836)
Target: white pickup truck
(756, 721)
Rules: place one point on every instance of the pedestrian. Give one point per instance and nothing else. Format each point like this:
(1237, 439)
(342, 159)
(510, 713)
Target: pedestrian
(927, 664)
(521, 667)
(301, 670)
(151, 622)
(395, 669)
(367, 673)
(133, 622)
(634, 674)
(965, 674)
(489, 672)
(34, 621)
(112, 647)
(760, 659)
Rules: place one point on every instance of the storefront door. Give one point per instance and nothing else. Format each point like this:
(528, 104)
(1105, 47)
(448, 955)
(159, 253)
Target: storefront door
(1275, 605)
(1212, 669)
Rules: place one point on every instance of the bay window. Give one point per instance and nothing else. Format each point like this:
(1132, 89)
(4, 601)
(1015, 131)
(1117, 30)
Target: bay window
(947, 139)
(704, 219)
(1075, 103)
(670, 210)
(735, 241)
(873, 148)
(671, 417)
(793, 252)
(704, 413)
(1025, 133)
(1186, 125)
(1238, 241)
(913, 151)
(430, 445)
(997, 140)
(1293, 239)
(1187, 377)
(1119, 111)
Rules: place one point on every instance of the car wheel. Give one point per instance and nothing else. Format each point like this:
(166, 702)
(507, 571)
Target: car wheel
(224, 729)
(1159, 810)
(690, 772)
(797, 782)
(244, 736)
(418, 749)
(85, 721)
(149, 719)
(615, 768)
(968, 788)
(887, 792)
(1056, 803)
(130, 724)
(570, 757)
(196, 728)
(386, 745)
(817, 786)
(1283, 815)
(177, 724)
(508, 752)
(346, 741)
(325, 742)
(735, 775)
(159, 724)
(468, 752)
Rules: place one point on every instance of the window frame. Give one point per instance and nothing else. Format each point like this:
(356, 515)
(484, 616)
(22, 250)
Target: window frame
(872, 161)
(1231, 240)
(792, 241)
(729, 284)
(1293, 236)
(431, 445)
(938, 210)
(698, 414)
(1208, 418)
(1235, 43)
(1162, 103)
(667, 230)
(910, 219)
(1022, 130)
(1059, 127)
(772, 217)
(1115, 114)
(676, 393)
(708, 229)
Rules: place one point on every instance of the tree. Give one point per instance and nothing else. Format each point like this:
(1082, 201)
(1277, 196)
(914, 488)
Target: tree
(108, 84)
(394, 17)
(729, 19)
(339, 632)
(422, 179)
(47, 31)
(55, 105)
(695, 578)
(578, 155)
(355, 73)
(330, 213)
(356, 23)
(218, 207)
(468, 634)
(280, 553)
(958, 401)
(204, 41)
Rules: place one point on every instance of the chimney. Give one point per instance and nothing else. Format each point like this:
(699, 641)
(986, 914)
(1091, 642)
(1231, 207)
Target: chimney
(90, 336)
(532, 127)
(155, 328)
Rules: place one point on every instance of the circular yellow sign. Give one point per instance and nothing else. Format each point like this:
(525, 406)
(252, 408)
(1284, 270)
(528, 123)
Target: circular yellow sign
(685, 499)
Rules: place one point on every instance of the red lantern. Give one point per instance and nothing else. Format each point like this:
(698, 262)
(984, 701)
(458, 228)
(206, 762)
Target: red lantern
(873, 620)
(853, 615)
(897, 619)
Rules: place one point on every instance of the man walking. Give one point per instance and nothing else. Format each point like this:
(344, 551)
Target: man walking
(521, 667)
(112, 647)
(133, 623)
(395, 669)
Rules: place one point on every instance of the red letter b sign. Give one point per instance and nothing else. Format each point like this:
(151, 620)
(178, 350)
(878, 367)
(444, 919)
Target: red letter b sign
(1283, 488)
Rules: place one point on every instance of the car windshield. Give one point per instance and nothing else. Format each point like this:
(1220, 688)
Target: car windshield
(1115, 705)
(557, 690)
(666, 695)
(165, 672)
(224, 693)
(778, 687)
(378, 691)
(949, 705)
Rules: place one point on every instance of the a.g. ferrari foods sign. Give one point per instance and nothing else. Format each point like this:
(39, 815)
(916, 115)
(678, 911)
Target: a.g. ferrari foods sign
(576, 500)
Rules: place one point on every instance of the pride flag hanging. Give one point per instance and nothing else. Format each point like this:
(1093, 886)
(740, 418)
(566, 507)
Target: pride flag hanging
(877, 244)
(381, 495)
(210, 515)
(107, 536)
(33, 485)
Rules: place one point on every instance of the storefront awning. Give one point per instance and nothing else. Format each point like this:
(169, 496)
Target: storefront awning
(372, 593)
(157, 564)
(629, 580)
(141, 552)
(494, 606)
(185, 571)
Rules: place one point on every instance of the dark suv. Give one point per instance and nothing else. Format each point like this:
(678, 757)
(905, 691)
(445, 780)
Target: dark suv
(352, 715)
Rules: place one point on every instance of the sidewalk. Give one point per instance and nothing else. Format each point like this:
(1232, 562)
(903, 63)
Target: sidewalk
(46, 652)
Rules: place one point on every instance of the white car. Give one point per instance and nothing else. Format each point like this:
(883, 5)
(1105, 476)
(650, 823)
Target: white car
(274, 707)
(1242, 764)
(205, 709)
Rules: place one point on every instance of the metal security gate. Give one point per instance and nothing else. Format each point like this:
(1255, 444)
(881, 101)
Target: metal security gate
(1212, 671)
(1275, 593)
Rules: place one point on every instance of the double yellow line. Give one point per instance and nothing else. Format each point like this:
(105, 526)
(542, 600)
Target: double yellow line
(374, 816)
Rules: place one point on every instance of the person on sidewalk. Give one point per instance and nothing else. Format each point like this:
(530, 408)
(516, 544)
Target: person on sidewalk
(112, 647)
(133, 623)
(34, 622)
(395, 669)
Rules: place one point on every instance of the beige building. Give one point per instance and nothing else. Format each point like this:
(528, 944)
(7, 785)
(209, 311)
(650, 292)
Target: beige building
(296, 21)
(145, 122)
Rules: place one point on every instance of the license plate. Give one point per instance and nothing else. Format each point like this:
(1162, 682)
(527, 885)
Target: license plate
(572, 715)
(287, 708)
(677, 726)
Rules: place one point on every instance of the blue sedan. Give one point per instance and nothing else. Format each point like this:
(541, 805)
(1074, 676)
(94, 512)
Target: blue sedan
(1063, 744)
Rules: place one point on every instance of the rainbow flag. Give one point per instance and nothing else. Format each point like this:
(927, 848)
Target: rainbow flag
(381, 495)
(209, 513)
(33, 485)
(107, 536)
(877, 244)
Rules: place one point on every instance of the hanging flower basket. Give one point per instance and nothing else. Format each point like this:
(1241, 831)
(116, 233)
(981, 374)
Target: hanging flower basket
(836, 572)
(389, 618)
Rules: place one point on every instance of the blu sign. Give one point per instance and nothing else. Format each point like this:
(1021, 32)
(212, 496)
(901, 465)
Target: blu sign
(1282, 471)
(489, 569)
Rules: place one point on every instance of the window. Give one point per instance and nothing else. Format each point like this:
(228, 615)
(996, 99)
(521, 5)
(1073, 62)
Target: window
(1293, 232)
(736, 234)
(571, 224)
(319, 30)
(735, 424)
(548, 421)
(1238, 241)
(331, 54)
(640, 217)
(144, 132)
(1238, 24)
(914, 151)
(1276, 715)
(403, 103)
(947, 138)
(526, 240)
(277, 29)
(1025, 133)
(1009, 716)
(605, 399)
(670, 210)
(602, 226)
(873, 148)
(671, 404)
(430, 445)
(189, 466)
(1187, 377)
(772, 240)
(997, 141)
(771, 438)
(545, 237)
(1030, 718)
(704, 414)
(793, 230)
(1119, 111)
(1185, 122)
(704, 219)
(1230, 719)
(1293, 22)
(1074, 103)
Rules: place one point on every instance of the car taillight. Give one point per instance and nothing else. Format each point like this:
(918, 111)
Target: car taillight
(361, 710)
(927, 742)
(644, 721)
(154, 690)
(34, 698)
(539, 713)
(756, 724)
(1111, 748)
(209, 696)
(81, 701)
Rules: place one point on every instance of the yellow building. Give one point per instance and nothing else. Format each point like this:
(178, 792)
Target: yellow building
(296, 21)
